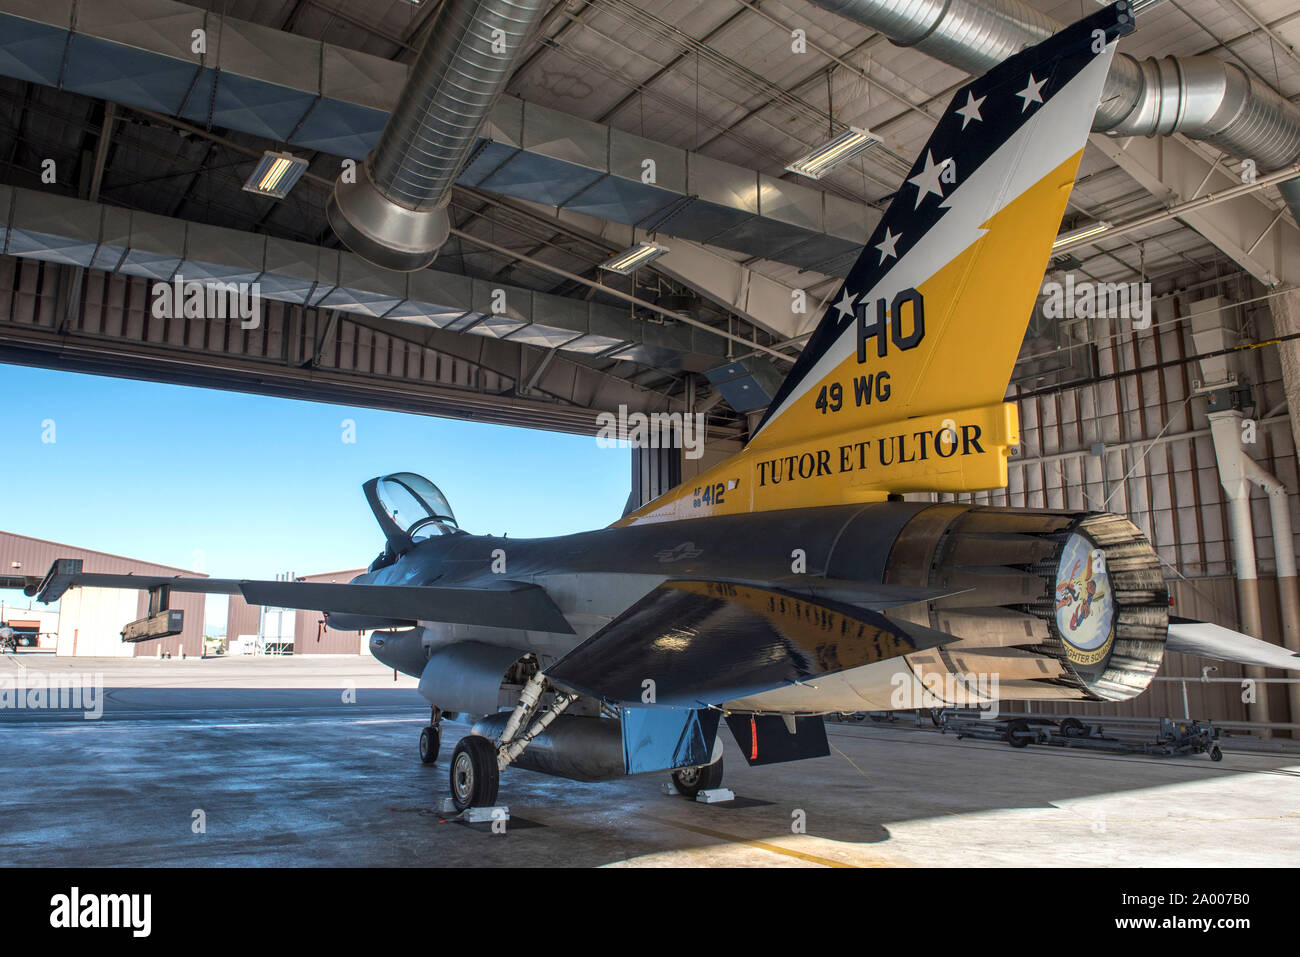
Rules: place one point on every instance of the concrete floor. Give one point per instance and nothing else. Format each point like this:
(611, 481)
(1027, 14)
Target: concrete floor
(286, 773)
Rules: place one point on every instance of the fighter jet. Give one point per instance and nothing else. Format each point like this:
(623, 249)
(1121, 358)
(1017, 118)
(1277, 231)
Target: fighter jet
(793, 580)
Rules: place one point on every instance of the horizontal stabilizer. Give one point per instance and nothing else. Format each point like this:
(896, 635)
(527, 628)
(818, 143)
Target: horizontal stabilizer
(694, 643)
(1223, 644)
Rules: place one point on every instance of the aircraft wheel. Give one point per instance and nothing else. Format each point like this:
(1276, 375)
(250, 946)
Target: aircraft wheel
(1073, 728)
(691, 781)
(430, 742)
(1216, 754)
(474, 774)
(1013, 738)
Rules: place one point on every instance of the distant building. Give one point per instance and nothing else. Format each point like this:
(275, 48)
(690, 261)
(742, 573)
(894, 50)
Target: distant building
(90, 620)
(300, 632)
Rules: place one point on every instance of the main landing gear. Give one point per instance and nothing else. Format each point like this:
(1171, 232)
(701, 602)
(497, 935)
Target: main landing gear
(691, 781)
(475, 776)
(477, 762)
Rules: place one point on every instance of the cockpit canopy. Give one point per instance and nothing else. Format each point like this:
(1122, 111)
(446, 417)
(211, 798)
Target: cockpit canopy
(415, 505)
(410, 509)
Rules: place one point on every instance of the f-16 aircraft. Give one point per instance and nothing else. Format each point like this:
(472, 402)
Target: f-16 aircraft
(793, 580)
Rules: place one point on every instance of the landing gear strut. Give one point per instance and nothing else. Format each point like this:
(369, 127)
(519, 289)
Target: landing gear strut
(431, 738)
(477, 763)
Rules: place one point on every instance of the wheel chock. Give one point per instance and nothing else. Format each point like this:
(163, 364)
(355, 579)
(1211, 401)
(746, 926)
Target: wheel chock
(715, 795)
(485, 815)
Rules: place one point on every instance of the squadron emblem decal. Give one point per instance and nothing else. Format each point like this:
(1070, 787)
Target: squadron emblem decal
(1085, 609)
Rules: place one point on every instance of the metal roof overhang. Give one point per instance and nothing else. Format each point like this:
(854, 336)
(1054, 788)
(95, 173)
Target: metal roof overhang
(54, 228)
(319, 96)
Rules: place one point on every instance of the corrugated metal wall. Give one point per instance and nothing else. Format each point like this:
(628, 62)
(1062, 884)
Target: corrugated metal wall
(119, 308)
(242, 619)
(1158, 468)
(90, 618)
(311, 638)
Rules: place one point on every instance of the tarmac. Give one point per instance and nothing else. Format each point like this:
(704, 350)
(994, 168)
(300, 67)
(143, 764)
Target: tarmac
(312, 761)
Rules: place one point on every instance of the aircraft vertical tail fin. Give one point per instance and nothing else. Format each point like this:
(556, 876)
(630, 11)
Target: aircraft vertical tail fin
(901, 386)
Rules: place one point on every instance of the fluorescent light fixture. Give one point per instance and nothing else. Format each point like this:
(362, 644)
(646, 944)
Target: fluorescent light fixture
(825, 158)
(275, 174)
(1136, 6)
(634, 258)
(1083, 232)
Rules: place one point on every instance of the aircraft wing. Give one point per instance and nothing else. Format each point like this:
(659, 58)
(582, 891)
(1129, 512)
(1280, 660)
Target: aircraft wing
(503, 604)
(1223, 644)
(706, 641)
(66, 573)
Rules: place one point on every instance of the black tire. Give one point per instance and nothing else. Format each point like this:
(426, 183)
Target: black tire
(1216, 753)
(474, 774)
(691, 781)
(1073, 728)
(430, 742)
(1014, 730)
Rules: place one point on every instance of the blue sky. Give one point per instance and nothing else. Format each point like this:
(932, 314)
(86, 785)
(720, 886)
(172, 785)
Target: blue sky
(244, 486)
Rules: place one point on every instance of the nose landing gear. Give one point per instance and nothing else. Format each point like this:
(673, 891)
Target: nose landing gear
(431, 738)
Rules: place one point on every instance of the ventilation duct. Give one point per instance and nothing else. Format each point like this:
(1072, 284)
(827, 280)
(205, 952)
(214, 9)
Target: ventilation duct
(1202, 97)
(393, 212)
(39, 225)
(319, 96)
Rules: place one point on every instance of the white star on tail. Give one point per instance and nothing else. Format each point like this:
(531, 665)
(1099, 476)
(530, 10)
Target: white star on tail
(971, 111)
(886, 248)
(845, 306)
(1033, 93)
(927, 181)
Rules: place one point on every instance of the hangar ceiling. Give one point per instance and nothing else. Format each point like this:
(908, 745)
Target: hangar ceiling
(140, 126)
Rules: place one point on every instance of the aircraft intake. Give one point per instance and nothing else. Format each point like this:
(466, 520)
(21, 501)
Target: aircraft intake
(1061, 605)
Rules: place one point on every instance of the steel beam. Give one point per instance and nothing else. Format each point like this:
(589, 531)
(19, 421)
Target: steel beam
(304, 353)
(751, 295)
(1247, 229)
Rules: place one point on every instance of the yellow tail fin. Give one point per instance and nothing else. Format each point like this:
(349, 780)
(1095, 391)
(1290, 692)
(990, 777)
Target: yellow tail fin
(900, 388)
